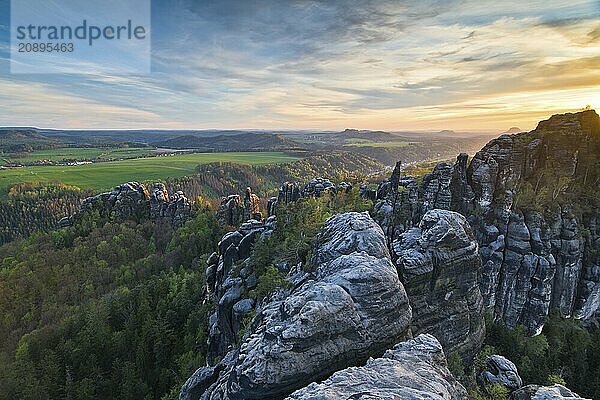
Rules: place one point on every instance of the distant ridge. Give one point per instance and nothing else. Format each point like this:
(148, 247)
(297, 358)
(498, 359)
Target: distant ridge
(244, 141)
(512, 131)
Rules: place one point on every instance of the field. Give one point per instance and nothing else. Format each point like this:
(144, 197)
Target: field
(74, 153)
(105, 175)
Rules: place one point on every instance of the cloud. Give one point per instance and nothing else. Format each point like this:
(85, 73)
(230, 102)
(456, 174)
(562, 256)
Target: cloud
(327, 64)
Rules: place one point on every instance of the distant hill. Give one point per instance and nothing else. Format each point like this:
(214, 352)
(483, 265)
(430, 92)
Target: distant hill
(244, 141)
(375, 136)
(25, 139)
(512, 130)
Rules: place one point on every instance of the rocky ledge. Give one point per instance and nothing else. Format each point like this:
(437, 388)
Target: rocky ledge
(412, 370)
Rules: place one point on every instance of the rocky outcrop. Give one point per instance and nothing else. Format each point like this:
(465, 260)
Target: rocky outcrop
(290, 192)
(229, 279)
(134, 200)
(500, 371)
(439, 265)
(235, 209)
(398, 208)
(354, 307)
(415, 369)
(535, 392)
(538, 251)
(537, 259)
(175, 208)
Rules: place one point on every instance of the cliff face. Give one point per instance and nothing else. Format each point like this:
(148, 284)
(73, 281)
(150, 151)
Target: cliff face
(531, 199)
(439, 264)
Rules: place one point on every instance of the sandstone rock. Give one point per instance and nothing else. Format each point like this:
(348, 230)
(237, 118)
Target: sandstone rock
(415, 369)
(535, 392)
(501, 371)
(355, 308)
(439, 265)
(251, 206)
(134, 200)
(398, 208)
(436, 188)
(533, 258)
(231, 210)
(226, 286)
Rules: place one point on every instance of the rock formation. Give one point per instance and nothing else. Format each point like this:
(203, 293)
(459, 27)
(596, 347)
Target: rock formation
(535, 392)
(415, 369)
(536, 253)
(500, 371)
(439, 265)
(354, 307)
(228, 286)
(235, 209)
(134, 200)
(290, 192)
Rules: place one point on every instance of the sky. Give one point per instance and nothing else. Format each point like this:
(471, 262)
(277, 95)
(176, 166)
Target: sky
(270, 64)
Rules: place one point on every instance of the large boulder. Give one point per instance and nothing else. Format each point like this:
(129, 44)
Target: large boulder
(500, 371)
(439, 265)
(353, 309)
(415, 369)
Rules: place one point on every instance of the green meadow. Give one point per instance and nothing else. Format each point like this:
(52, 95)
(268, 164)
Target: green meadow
(105, 175)
(76, 153)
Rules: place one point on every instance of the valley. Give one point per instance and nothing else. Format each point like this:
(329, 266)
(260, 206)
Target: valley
(210, 274)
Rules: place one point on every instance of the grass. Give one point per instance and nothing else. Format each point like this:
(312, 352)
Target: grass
(106, 175)
(76, 153)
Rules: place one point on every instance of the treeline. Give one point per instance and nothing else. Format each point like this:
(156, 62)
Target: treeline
(104, 309)
(32, 207)
(215, 180)
(430, 150)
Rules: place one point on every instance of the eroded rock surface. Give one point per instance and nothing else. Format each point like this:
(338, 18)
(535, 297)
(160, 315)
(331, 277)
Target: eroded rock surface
(500, 371)
(415, 369)
(354, 308)
(135, 200)
(439, 265)
(236, 209)
(535, 256)
(229, 279)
